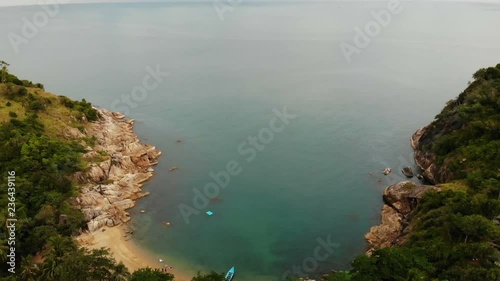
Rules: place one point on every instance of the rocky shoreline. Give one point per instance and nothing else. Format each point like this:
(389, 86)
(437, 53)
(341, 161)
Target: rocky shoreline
(425, 161)
(401, 199)
(119, 164)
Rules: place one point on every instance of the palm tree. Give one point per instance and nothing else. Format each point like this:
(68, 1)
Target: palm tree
(4, 250)
(28, 269)
(120, 273)
(48, 271)
(58, 246)
(4, 66)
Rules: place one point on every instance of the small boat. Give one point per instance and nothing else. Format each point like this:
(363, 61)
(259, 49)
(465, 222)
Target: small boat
(229, 274)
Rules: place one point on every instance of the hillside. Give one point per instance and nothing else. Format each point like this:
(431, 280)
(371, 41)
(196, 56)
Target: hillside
(451, 231)
(463, 142)
(66, 168)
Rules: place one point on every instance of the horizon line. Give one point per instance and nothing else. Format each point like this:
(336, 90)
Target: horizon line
(24, 3)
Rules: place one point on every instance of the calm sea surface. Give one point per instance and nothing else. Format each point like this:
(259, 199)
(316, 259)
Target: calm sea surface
(312, 180)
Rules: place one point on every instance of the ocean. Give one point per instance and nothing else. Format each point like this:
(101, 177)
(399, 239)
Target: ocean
(204, 82)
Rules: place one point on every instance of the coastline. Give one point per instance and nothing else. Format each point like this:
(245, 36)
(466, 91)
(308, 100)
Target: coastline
(124, 249)
(118, 165)
(400, 200)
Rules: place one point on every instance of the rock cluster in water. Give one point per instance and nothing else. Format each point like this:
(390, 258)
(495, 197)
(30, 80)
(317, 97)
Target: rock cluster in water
(401, 198)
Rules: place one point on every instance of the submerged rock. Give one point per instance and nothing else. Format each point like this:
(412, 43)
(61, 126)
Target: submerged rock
(408, 172)
(387, 171)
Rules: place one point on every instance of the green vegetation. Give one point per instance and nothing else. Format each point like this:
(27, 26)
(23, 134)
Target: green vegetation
(34, 145)
(465, 137)
(148, 274)
(84, 107)
(6, 78)
(212, 276)
(454, 235)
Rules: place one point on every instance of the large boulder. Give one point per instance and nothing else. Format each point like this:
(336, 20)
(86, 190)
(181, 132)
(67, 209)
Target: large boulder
(381, 236)
(400, 200)
(404, 196)
(408, 172)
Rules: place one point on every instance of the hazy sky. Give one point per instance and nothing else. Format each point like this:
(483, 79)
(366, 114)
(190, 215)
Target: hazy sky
(4, 3)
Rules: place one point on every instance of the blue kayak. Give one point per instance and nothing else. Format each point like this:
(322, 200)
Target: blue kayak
(229, 274)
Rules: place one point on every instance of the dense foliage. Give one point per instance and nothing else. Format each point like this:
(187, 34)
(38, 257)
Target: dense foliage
(82, 106)
(465, 137)
(212, 276)
(42, 167)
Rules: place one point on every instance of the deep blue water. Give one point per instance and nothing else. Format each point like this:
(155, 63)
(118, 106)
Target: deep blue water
(312, 181)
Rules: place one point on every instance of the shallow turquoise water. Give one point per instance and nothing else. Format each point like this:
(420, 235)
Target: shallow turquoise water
(312, 181)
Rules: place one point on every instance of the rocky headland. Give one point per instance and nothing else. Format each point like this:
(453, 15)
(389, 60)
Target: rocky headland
(400, 200)
(117, 166)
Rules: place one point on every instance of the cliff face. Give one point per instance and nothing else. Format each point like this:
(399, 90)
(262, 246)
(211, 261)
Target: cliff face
(425, 159)
(464, 133)
(110, 186)
(400, 200)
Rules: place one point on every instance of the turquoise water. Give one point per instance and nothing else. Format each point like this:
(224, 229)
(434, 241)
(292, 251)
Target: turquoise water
(312, 181)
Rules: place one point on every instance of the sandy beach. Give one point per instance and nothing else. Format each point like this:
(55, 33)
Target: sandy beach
(125, 250)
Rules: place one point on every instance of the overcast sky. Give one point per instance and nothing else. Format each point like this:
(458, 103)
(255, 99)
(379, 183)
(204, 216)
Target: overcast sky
(5, 3)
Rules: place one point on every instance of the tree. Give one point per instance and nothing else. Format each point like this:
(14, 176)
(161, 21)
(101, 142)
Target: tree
(212, 276)
(4, 70)
(476, 226)
(59, 246)
(340, 276)
(120, 272)
(4, 249)
(391, 264)
(28, 270)
(148, 274)
(84, 265)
